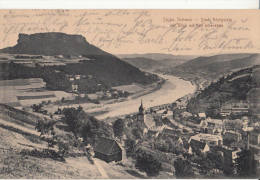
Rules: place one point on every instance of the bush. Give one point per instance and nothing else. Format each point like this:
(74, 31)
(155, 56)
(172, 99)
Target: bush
(183, 168)
(148, 163)
(130, 147)
(118, 128)
(45, 153)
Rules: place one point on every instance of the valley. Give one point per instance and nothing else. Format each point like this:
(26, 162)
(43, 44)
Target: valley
(69, 109)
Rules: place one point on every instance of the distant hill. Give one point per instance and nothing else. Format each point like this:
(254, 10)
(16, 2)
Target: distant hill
(144, 63)
(105, 68)
(212, 67)
(157, 56)
(154, 61)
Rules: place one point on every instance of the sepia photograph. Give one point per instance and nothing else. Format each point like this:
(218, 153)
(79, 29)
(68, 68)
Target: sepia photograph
(129, 94)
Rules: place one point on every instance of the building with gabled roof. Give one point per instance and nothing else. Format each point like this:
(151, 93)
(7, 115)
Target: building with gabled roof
(255, 137)
(196, 146)
(108, 150)
(171, 133)
(210, 139)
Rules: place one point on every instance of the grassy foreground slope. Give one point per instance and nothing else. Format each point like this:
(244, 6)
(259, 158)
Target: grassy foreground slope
(17, 134)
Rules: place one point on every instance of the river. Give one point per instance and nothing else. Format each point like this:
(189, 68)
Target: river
(171, 90)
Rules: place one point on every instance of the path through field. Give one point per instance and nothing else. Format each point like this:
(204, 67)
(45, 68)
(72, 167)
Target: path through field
(101, 169)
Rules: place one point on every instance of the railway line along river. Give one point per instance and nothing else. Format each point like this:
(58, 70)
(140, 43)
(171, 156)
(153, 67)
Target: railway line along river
(171, 90)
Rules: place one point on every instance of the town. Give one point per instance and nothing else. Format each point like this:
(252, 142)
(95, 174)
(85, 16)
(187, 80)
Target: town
(204, 144)
(71, 110)
(167, 138)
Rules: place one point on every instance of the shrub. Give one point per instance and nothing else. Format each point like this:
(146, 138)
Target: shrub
(148, 163)
(183, 168)
(118, 128)
(130, 147)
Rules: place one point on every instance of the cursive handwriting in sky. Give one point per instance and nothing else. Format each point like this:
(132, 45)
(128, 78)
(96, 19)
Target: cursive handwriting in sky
(179, 32)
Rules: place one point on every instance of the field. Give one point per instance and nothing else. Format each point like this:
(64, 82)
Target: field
(25, 92)
(133, 88)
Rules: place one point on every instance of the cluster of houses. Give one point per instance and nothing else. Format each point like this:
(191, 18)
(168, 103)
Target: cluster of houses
(213, 135)
(226, 136)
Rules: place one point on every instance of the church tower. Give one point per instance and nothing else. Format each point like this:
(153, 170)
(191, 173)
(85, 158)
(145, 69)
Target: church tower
(140, 115)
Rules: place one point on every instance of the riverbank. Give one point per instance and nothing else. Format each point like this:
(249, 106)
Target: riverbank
(173, 89)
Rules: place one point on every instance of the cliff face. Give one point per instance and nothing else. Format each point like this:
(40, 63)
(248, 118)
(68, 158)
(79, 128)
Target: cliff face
(53, 43)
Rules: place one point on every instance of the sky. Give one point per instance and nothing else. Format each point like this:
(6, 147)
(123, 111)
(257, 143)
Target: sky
(178, 32)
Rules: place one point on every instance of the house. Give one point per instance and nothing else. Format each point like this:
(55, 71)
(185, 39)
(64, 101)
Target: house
(253, 97)
(77, 77)
(82, 95)
(202, 115)
(212, 126)
(254, 137)
(108, 150)
(100, 94)
(210, 139)
(74, 87)
(92, 96)
(230, 155)
(198, 147)
(257, 159)
(167, 114)
(152, 133)
(175, 136)
(240, 107)
(232, 136)
(215, 126)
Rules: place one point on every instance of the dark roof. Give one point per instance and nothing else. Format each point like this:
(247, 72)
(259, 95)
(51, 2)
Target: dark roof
(107, 146)
(169, 131)
(197, 145)
(141, 108)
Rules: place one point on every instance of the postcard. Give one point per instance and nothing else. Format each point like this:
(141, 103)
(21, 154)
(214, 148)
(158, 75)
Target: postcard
(129, 94)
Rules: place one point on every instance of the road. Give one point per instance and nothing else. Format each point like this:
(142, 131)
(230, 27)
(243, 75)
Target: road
(101, 169)
(171, 90)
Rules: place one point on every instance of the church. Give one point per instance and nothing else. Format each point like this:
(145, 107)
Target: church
(141, 113)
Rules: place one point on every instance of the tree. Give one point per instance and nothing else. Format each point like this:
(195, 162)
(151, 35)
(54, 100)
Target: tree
(138, 134)
(47, 132)
(74, 118)
(90, 129)
(216, 159)
(118, 128)
(183, 168)
(246, 164)
(130, 147)
(46, 129)
(148, 163)
(37, 108)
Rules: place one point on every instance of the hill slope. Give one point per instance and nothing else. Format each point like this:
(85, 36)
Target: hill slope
(144, 63)
(154, 61)
(157, 56)
(232, 88)
(211, 68)
(105, 68)
(18, 135)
